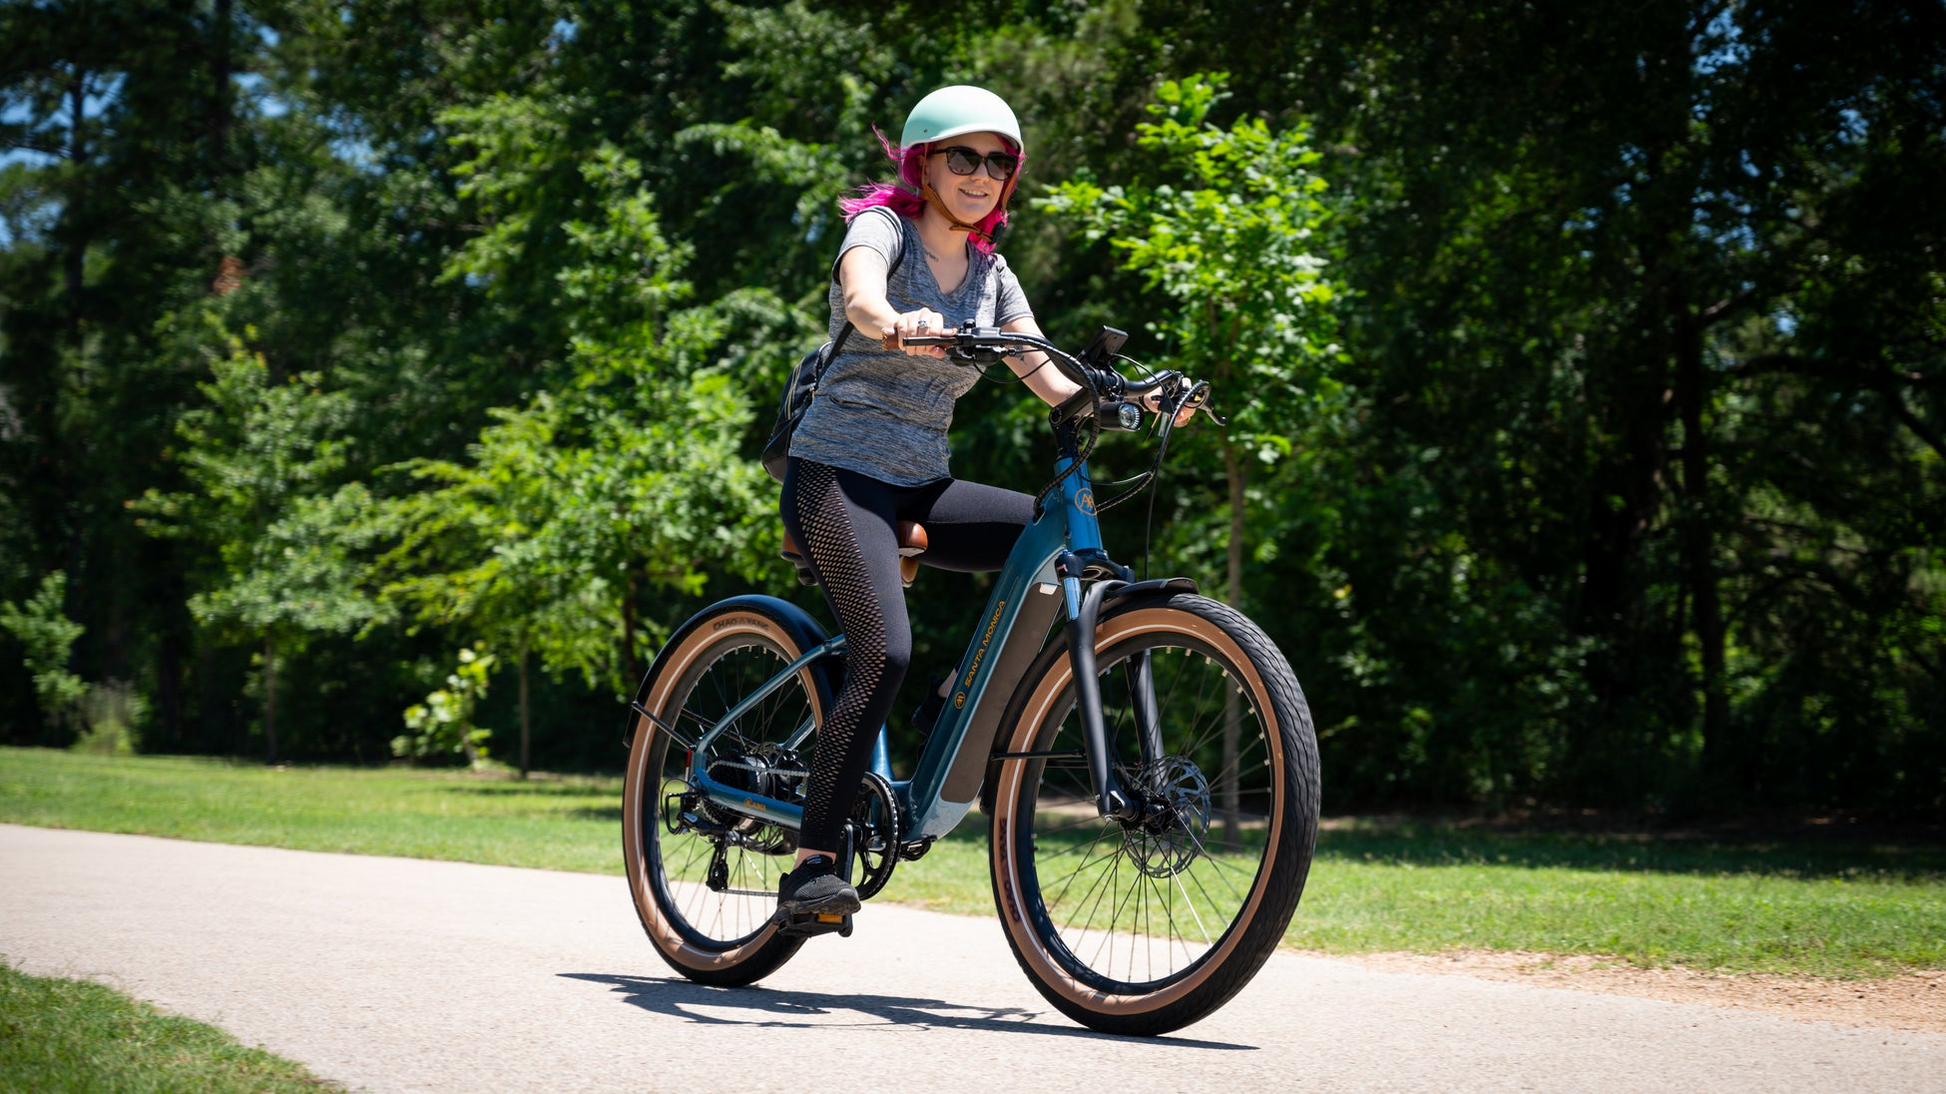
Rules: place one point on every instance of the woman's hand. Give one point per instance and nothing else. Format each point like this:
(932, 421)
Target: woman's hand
(924, 323)
(1152, 402)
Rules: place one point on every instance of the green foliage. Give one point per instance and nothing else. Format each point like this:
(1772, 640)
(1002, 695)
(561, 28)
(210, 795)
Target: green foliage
(1234, 243)
(1230, 233)
(261, 458)
(625, 476)
(112, 714)
(1587, 247)
(467, 555)
(107, 716)
(1589, 449)
(41, 625)
(442, 726)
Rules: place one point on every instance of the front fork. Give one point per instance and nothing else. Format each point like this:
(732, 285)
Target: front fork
(1084, 611)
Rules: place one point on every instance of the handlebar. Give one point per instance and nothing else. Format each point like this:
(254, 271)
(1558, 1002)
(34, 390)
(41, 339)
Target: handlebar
(1104, 391)
(1101, 404)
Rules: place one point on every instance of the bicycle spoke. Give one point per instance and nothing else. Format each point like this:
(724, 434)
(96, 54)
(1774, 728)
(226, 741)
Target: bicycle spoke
(1108, 932)
(1137, 905)
(1076, 872)
(740, 848)
(1188, 902)
(1215, 860)
(1098, 889)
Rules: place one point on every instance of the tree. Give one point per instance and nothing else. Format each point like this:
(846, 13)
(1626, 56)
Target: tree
(1591, 239)
(261, 459)
(1233, 245)
(40, 625)
(627, 478)
(443, 724)
(123, 139)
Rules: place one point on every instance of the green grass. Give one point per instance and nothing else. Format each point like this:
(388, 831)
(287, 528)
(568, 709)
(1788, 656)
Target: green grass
(547, 822)
(68, 1035)
(1831, 907)
(1805, 906)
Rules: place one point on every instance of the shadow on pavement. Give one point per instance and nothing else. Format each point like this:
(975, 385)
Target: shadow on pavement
(768, 1007)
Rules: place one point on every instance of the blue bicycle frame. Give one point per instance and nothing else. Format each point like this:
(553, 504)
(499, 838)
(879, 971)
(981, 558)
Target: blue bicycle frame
(1042, 576)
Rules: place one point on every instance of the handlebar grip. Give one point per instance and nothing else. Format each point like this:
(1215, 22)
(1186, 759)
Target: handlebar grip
(892, 341)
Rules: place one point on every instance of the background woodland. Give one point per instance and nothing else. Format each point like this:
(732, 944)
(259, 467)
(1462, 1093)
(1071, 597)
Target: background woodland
(383, 378)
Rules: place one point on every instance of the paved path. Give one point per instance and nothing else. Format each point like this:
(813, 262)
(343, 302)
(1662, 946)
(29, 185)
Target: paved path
(402, 975)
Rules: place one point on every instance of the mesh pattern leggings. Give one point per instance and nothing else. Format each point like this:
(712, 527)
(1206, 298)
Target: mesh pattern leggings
(847, 525)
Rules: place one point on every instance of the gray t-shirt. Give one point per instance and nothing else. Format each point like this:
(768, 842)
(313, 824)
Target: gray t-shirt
(885, 413)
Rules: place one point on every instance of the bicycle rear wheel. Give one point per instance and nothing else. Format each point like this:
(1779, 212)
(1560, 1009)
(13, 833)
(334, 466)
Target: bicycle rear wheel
(1143, 928)
(704, 880)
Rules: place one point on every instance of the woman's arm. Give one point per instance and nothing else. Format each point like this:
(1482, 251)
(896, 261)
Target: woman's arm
(861, 277)
(1053, 387)
(1032, 367)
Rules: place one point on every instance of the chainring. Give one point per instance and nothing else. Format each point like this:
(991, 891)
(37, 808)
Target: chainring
(875, 823)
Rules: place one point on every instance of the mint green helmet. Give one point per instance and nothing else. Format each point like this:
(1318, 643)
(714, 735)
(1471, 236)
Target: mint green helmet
(951, 111)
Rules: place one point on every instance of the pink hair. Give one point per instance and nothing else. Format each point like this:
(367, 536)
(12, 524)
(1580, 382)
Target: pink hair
(906, 200)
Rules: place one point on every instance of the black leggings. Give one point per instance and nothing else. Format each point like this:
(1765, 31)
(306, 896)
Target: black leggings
(846, 524)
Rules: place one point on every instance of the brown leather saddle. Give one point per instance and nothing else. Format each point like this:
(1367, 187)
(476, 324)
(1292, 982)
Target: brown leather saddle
(912, 544)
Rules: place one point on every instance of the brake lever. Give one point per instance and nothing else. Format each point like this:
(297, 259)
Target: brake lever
(1197, 398)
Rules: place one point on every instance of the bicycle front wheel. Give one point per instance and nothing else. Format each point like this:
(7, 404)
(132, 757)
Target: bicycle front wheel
(1145, 927)
(704, 879)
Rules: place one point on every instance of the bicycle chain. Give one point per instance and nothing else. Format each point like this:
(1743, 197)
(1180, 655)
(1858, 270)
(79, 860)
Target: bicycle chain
(786, 772)
(874, 786)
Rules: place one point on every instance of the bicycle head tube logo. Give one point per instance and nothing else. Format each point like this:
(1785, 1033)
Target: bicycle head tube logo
(1085, 501)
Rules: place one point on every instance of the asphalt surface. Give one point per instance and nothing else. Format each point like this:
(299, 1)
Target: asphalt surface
(402, 975)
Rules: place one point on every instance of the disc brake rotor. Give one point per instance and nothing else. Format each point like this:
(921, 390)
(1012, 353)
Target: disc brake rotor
(1176, 829)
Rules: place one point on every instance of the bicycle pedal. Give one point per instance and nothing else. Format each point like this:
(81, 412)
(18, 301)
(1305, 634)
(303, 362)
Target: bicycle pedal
(813, 924)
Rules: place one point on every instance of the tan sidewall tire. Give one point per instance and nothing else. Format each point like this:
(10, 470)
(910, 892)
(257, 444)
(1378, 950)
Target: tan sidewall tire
(1082, 1000)
(672, 666)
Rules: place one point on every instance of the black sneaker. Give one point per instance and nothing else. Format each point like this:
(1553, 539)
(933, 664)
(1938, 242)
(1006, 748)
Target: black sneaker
(815, 888)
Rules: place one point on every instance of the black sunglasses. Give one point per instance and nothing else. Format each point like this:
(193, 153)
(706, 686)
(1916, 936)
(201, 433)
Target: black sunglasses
(961, 160)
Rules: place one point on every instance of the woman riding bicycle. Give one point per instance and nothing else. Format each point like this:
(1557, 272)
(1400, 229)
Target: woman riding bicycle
(918, 260)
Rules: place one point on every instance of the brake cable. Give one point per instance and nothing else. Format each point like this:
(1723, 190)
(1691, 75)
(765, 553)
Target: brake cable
(1087, 445)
